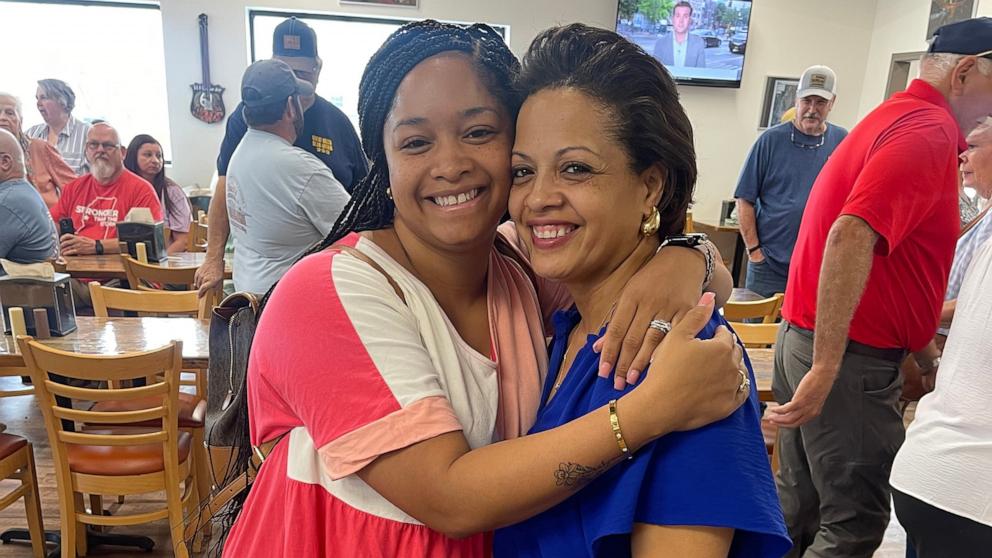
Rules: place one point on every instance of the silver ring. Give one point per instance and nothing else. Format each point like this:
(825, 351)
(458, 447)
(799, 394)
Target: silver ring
(745, 381)
(661, 325)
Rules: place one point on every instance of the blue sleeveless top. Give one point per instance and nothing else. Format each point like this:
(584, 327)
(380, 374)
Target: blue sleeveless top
(716, 476)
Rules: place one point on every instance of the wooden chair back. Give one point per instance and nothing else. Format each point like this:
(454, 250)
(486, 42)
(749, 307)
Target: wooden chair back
(148, 302)
(67, 417)
(13, 371)
(197, 239)
(767, 308)
(689, 226)
(756, 335)
(142, 275)
(163, 365)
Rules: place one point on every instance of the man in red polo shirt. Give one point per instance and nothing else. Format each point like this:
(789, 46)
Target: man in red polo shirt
(865, 288)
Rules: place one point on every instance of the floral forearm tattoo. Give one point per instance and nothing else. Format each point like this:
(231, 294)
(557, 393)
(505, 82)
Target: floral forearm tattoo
(575, 475)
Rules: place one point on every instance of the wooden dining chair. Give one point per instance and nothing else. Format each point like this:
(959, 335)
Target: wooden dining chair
(17, 463)
(14, 371)
(756, 335)
(689, 226)
(192, 406)
(115, 459)
(767, 309)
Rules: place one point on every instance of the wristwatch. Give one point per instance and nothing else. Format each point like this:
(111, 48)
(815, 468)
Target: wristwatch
(697, 241)
(99, 248)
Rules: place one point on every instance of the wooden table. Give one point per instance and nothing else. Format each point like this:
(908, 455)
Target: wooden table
(110, 266)
(111, 336)
(762, 362)
(739, 250)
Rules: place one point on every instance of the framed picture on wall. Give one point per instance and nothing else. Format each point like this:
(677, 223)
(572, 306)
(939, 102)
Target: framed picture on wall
(780, 96)
(943, 12)
(400, 3)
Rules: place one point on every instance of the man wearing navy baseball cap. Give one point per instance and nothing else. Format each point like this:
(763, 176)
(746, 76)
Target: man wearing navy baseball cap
(327, 134)
(865, 290)
(280, 199)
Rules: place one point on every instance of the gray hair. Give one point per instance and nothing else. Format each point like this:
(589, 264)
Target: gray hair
(59, 90)
(934, 66)
(984, 127)
(17, 103)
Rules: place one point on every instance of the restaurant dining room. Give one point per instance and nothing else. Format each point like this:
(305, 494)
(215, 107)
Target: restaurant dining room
(514, 279)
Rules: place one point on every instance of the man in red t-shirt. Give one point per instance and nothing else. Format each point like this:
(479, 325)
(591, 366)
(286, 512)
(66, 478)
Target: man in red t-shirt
(865, 289)
(97, 201)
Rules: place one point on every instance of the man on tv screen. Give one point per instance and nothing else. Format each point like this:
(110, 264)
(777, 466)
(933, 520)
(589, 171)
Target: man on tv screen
(681, 48)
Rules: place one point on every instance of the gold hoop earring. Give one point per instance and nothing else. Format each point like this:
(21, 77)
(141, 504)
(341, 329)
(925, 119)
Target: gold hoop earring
(651, 223)
(389, 193)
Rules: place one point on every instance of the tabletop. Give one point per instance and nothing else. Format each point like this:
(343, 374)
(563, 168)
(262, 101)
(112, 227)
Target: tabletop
(111, 336)
(110, 266)
(762, 362)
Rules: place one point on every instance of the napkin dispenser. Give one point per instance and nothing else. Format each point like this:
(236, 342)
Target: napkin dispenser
(151, 235)
(54, 295)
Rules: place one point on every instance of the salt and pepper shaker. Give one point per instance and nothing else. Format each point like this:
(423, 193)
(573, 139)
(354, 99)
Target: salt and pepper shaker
(41, 330)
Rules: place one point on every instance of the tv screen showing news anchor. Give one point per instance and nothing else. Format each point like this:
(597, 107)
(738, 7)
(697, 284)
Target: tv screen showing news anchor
(701, 42)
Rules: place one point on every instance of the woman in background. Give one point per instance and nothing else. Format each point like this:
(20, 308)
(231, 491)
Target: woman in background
(603, 169)
(144, 158)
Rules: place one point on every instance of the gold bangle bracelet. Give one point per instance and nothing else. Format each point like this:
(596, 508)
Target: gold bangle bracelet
(615, 425)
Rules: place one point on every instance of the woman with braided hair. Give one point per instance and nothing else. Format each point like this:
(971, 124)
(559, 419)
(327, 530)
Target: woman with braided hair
(396, 380)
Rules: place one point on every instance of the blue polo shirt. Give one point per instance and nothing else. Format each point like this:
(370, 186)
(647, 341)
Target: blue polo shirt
(327, 134)
(777, 178)
(27, 232)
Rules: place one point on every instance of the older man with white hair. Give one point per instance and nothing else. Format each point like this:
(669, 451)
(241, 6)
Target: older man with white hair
(866, 288)
(940, 478)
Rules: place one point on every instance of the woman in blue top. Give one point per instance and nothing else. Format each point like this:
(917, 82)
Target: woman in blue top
(604, 166)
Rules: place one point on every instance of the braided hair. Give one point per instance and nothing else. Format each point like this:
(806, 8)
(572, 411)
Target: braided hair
(370, 207)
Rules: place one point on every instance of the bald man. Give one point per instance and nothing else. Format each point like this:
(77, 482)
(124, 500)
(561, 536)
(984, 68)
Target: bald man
(95, 202)
(27, 234)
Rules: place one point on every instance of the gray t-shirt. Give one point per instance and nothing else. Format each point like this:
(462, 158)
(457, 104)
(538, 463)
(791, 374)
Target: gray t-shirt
(27, 232)
(280, 201)
(777, 178)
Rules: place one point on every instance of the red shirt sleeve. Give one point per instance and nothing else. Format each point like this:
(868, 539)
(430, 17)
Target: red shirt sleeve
(144, 196)
(901, 181)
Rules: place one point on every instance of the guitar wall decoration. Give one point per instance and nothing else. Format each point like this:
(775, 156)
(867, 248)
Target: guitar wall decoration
(208, 101)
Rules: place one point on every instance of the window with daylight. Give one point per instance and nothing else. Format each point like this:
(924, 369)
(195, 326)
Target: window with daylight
(345, 44)
(110, 53)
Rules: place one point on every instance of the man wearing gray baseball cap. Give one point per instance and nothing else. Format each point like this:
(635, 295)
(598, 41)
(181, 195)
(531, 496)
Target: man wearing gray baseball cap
(280, 198)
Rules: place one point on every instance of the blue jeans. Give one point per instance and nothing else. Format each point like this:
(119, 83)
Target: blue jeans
(762, 279)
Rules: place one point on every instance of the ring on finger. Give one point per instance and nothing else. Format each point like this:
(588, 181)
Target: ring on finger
(745, 381)
(661, 325)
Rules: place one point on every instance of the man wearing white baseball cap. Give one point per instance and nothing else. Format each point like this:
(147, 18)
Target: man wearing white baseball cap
(778, 176)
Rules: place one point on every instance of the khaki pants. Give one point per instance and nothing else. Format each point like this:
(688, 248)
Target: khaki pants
(833, 479)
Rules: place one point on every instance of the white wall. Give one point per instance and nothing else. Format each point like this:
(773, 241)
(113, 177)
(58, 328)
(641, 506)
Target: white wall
(786, 37)
(900, 27)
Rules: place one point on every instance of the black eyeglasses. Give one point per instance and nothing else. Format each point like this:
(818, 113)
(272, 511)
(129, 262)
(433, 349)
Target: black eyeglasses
(106, 145)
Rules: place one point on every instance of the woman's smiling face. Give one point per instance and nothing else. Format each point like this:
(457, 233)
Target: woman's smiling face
(577, 201)
(447, 141)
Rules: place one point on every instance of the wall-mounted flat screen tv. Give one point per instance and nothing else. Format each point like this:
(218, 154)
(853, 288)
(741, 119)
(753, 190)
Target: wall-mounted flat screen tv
(701, 42)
